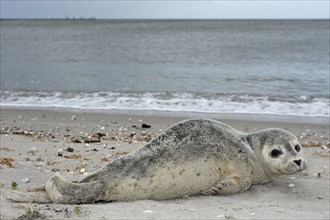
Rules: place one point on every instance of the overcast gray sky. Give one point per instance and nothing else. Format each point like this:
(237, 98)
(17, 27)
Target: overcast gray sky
(193, 9)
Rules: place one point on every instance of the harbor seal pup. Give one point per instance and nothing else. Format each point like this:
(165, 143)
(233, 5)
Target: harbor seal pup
(193, 157)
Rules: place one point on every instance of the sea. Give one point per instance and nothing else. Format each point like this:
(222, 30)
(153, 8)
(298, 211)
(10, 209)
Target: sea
(259, 67)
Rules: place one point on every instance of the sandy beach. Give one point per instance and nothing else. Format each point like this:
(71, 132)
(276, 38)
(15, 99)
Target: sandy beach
(37, 143)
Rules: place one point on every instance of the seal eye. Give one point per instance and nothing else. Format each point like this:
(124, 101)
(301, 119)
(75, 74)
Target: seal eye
(297, 148)
(276, 153)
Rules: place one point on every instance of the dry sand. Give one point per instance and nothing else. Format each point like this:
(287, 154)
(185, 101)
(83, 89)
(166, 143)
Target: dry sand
(32, 139)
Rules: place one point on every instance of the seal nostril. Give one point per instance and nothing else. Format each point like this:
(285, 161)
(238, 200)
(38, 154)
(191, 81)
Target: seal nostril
(298, 162)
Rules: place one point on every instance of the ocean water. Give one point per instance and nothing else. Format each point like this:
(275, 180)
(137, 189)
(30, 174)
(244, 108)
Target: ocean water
(276, 67)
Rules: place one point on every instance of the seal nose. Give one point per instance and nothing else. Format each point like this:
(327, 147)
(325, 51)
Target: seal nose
(298, 162)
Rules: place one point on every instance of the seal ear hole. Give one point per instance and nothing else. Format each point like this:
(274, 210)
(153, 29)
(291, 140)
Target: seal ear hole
(297, 148)
(276, 153)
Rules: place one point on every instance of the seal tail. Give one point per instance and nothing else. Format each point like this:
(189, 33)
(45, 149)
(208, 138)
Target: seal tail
(34, 195)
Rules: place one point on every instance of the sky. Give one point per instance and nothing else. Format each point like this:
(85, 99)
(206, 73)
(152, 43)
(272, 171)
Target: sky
(166, 9)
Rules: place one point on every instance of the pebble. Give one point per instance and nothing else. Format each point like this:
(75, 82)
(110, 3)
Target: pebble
(25, 180)
(39, 163)
(320, 197)
(60, 152)
(148, 211)
(291, 185)
(292, 178)
(33, 150)
(145, 126)
(70, 149)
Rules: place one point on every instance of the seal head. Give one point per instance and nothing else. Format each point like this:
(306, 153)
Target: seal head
(280, 152)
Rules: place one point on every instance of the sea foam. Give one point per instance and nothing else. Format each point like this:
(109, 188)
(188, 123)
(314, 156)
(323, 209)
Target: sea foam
(175, 102)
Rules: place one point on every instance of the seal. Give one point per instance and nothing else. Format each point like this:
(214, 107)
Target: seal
(193, 157)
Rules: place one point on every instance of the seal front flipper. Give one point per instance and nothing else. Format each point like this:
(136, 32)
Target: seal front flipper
(230, 185)
(28, 196)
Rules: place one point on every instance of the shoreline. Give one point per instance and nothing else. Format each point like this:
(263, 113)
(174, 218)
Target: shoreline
(181, 114)
(33, 138)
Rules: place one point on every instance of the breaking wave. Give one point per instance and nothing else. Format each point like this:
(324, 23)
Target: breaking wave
(166, 101)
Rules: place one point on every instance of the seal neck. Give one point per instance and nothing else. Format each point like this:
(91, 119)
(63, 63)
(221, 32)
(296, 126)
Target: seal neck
(262, 174)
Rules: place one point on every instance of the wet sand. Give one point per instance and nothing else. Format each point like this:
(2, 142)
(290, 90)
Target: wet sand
(32, 142)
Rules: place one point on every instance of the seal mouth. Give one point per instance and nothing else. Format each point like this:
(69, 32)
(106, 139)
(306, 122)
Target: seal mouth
(304, 166)
(292, 168)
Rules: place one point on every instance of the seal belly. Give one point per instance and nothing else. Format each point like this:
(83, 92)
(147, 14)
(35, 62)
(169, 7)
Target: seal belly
(189, 178)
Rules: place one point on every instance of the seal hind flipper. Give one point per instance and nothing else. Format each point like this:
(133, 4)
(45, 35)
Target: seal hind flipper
(62, 191)
(58, 190)
(37, 188)
(28, 196)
